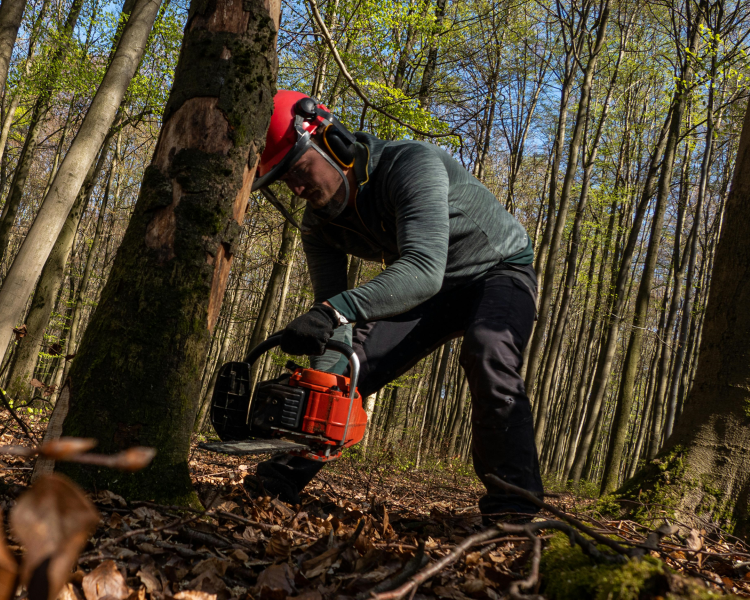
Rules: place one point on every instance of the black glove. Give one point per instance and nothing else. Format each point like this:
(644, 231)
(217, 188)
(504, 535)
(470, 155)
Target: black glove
(309, 333)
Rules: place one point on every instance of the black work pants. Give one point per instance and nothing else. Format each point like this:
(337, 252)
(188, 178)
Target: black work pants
(495, 316)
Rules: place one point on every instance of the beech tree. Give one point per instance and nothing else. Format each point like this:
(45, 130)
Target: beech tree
(703, 469)
(28, 263)
(147, 341)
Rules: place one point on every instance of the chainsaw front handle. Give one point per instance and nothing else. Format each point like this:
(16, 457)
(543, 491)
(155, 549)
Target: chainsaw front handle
(345, 349)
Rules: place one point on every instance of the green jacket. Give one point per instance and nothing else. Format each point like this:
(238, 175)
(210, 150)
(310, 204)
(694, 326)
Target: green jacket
(421, 214)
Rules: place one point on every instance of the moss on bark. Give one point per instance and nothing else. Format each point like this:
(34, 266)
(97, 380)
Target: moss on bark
(568, 574)
(665, 486)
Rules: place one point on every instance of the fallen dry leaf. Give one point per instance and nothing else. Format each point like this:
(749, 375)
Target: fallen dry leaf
(276, 582)
(216, 566)
(320, 564)
(105, 580)
(209, 582)
(110, 499)
(150, 578)
(53, 520)
(279, 546)
(133, 459)
(449, 592)
(194, 595)
(694, 540)
(69, 592)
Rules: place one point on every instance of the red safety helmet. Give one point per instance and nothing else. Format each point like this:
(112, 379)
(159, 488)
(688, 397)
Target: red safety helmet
(296, 118)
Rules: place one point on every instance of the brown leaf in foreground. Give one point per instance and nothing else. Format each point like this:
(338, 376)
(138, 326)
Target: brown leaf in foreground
(133, 459)
(53, 520)
(65, 447)
(8, 567)
(105, 580)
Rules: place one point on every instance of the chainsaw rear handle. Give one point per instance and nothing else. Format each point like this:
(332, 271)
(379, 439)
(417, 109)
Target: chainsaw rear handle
(346, 350)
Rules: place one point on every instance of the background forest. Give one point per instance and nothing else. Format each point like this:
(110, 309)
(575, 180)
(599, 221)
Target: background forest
(609, 129)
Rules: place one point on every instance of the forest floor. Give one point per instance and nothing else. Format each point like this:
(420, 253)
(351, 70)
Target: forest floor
(364, 528)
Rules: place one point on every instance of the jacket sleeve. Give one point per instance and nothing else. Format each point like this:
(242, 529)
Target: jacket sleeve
(326, 265)
(417, 188)
(327, 268)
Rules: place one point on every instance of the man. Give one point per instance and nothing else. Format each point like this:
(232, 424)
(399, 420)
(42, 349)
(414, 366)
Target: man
(455, 264)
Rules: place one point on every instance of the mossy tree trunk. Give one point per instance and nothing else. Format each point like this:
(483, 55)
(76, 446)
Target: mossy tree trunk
(136, 378)
(704, 467)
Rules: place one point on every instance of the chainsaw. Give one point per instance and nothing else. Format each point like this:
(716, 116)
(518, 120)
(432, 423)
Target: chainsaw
(305, 412)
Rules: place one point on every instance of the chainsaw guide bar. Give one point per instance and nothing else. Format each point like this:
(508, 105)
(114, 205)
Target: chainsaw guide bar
(247, 447)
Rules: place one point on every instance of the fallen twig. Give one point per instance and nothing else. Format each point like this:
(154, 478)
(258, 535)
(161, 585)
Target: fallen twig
(533, 578)
(412, 585)
(416, 562)
(602, 539)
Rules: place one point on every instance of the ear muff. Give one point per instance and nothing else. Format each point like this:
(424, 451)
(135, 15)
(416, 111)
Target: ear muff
(341, 149)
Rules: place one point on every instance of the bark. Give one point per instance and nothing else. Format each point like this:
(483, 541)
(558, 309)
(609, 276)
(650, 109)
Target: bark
(458, 418)
(147, 339)
(541, 252)
(687, 308)
(200, 422)
(678, 266)
(704, 467)
(30, 259)
(11, 13)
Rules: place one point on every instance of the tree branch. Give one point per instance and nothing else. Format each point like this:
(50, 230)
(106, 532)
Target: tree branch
(350, 80)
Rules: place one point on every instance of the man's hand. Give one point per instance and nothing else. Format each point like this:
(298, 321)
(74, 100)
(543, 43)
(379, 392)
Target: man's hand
(309, 333)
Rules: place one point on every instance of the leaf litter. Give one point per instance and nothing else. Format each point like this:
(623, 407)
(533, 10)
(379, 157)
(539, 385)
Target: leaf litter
(363, 530)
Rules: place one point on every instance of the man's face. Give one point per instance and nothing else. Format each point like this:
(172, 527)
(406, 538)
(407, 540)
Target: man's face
(315, 180)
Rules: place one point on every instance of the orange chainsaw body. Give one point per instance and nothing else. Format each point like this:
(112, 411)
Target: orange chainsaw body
(328, 407)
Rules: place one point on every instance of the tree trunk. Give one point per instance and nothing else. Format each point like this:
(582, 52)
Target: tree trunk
(11, 13)
(545, 298)
(619, 299)
(428, 75)
(633, 354)
(27, 351)
(41, 106)
(30, 259)
(704, 467)
(75, 320)
(147, 340)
